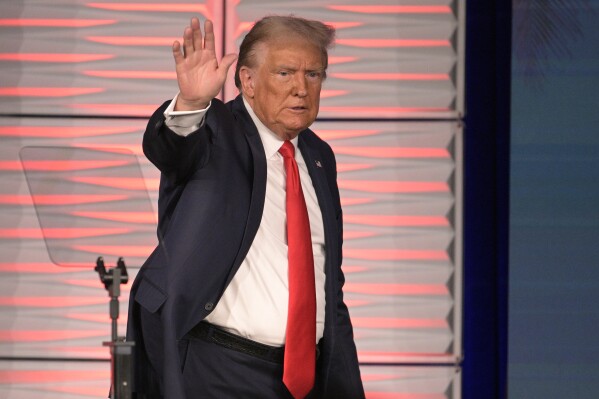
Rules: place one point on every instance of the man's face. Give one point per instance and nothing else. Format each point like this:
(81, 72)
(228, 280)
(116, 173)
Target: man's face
(284, 86)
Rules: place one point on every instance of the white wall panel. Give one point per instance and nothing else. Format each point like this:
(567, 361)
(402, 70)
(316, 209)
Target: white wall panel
(54, 380)
(393, 382)
(75, 57)
(50, 309)
(398, 186)
(390, 110)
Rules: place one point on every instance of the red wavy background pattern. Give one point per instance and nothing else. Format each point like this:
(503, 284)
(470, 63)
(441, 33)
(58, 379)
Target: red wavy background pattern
(78, 80)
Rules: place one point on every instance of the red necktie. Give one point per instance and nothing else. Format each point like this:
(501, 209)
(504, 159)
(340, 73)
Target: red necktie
(300, 343)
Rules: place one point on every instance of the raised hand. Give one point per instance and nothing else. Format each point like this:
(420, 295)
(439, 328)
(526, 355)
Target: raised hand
(199, 75)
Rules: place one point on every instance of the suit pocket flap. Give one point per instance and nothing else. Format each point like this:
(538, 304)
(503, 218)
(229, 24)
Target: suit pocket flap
(149, 296)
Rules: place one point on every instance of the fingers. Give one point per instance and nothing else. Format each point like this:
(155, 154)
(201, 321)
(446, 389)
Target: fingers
(192, 42)
(192, 37)
(209, 36)
(177, 52)
(188, 41)
(196, 33)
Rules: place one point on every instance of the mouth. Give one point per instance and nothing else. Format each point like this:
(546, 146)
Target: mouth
(298, 109)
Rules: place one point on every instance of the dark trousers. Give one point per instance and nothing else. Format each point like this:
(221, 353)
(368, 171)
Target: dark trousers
(213, 371)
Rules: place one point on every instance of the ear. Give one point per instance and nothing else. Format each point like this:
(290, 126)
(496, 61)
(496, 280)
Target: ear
(247, 78)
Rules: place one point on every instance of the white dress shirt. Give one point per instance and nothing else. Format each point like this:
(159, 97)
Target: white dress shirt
(254, 305)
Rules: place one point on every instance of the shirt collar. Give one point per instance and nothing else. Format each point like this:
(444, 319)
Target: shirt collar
(270, 140)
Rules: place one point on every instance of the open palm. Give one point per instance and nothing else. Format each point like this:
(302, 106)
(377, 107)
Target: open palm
(199, 75)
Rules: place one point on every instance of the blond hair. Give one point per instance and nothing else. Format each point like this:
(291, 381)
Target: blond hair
(276, 26)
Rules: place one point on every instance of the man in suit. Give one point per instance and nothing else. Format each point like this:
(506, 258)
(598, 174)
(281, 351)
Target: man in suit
(243, 298)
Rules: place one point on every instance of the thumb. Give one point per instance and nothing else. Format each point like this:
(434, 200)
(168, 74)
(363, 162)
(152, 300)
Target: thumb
(226, 63)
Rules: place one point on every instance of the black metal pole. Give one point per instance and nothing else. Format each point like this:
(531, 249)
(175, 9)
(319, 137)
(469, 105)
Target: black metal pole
(121, 352)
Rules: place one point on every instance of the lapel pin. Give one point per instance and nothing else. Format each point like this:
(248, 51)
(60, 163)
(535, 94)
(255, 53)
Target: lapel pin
(318, 164)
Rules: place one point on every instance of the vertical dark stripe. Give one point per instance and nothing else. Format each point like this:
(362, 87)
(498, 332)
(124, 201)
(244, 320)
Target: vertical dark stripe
(486, 198)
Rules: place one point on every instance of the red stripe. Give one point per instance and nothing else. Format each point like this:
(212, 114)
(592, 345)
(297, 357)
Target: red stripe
(246, 26)
(77, 351)
(383, 322)
(47, 335)
(372, 186)
(94, 317)
(63, 131)
(48, 91)
(391, 76)
(52, 376)
(50, 301)
(118, 109)
(443, 357)
(61, 166)
(378, 377)
(65, 199)
(359, 111)
(61, 233)
(48, 57)
(128, 217)
(344, 25)
(386, 43)
(127, 149)
(42, 268)
(395, 254)
(341, 60)
(397, 220)
(133, 40)
(352, 235)
(56, 23)
(396, 289)
(153, 7)
(116, 250)
(124, 183)
(333, 93)
(133, 74)
(344, 134)
(393, 152)
(348, 167)
(398, 395)
(392, 9)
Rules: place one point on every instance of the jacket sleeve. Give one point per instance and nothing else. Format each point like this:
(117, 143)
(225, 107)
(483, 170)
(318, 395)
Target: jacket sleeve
(174, 155)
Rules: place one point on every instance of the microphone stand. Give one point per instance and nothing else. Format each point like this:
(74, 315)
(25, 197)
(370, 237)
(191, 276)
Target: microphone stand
(121, 352)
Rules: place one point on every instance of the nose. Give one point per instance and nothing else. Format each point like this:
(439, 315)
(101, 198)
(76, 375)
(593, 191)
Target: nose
(300, 86)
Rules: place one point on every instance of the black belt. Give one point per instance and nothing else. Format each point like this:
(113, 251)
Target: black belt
(210, 333)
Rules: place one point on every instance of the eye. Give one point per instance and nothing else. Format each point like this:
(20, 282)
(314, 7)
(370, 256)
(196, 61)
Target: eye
(314, 75)
(283, 73)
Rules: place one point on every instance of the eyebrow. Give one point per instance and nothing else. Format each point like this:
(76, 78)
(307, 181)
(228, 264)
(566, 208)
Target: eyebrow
(319, 69)
(283, 66)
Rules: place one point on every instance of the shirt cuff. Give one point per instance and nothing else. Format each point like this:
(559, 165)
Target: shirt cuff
(183, 123)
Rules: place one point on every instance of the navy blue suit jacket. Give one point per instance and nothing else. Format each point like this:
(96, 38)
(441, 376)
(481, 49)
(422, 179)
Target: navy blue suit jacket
(212, 192)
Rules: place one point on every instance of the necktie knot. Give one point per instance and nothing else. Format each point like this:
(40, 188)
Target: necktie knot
(287, 150)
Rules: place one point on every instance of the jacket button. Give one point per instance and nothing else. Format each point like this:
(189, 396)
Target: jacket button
(209, 306)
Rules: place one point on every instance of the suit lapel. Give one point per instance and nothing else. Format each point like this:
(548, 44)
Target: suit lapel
(258, 183)
(316, 170)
